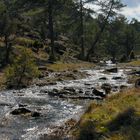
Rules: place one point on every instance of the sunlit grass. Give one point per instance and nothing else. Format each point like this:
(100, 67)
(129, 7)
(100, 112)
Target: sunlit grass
(69, 66)
(134, 63)
(24, 41)
(110, 113)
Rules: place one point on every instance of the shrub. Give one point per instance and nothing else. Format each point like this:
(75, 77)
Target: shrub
(22, 71)
(37, 45)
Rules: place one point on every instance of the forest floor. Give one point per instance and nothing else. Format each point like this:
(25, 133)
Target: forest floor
(117, 118)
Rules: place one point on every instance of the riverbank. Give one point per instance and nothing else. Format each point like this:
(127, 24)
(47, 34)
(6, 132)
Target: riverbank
(66, 71)
(117, 118)
(59, 104)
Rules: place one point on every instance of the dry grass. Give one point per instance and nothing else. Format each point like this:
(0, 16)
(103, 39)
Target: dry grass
(70, 66)
(2, 80)
(134, 63)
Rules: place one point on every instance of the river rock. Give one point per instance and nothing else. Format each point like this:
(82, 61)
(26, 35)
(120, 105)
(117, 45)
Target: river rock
(135, 73)
(35, 114)
(25, 111)
(4, 103)
(71, 89)
(98, 93)
(106, 87)
(44, 91)
(81, 91)
(137, 83)
(21, 105)
(103, 78)
(122, 87)
(113, 70)
(117, 78)
(20, 111)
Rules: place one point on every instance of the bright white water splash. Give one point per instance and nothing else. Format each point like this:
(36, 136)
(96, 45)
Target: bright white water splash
(54, 111)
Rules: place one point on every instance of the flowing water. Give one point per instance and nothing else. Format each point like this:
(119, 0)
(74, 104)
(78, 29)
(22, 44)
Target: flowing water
(55, 111)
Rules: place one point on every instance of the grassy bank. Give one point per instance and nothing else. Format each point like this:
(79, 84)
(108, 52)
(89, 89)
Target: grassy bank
(134, 63)
(118, 118)
(59, 66)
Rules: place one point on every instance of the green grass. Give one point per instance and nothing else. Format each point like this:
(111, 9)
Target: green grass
(118, 118)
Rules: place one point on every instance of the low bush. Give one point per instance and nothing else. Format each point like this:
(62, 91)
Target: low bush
(22, 71)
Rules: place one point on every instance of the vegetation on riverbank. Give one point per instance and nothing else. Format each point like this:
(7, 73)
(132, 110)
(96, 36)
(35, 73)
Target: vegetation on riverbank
(118, 118)
(70, 66)
(135, 63)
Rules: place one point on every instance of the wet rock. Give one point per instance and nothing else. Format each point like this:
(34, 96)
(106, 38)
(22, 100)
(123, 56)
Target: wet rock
(98, 93)
(87, 92)
(135, 73)
(20, 111)
(87, 84)
(75, 71)
(71, 89)
(103, 78)
(122, 87)
(115, 89)
(137, 83)
(117, 78)
(21, 105)
(113, 70)
(25, 111)
(51, 93)
(81, 91)
(106, 87)
(43, 91)
(35, 114)
(4, 103)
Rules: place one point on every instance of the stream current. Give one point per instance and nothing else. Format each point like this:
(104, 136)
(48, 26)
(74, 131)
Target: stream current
(55, 111)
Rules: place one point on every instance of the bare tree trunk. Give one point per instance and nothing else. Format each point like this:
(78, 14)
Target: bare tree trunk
(98, 37)
(51, 29)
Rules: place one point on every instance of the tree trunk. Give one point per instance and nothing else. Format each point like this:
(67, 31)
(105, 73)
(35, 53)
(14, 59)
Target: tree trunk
(97, 38)
(82, 55)
(7, 50)
(21, 76)
(51, 29)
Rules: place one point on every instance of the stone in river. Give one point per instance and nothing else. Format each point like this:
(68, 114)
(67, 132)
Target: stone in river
(20, 111)
(25, 111)
(98, 93)
(113, 70)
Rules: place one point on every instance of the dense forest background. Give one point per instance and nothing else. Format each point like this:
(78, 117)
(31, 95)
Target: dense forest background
(66, 31)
